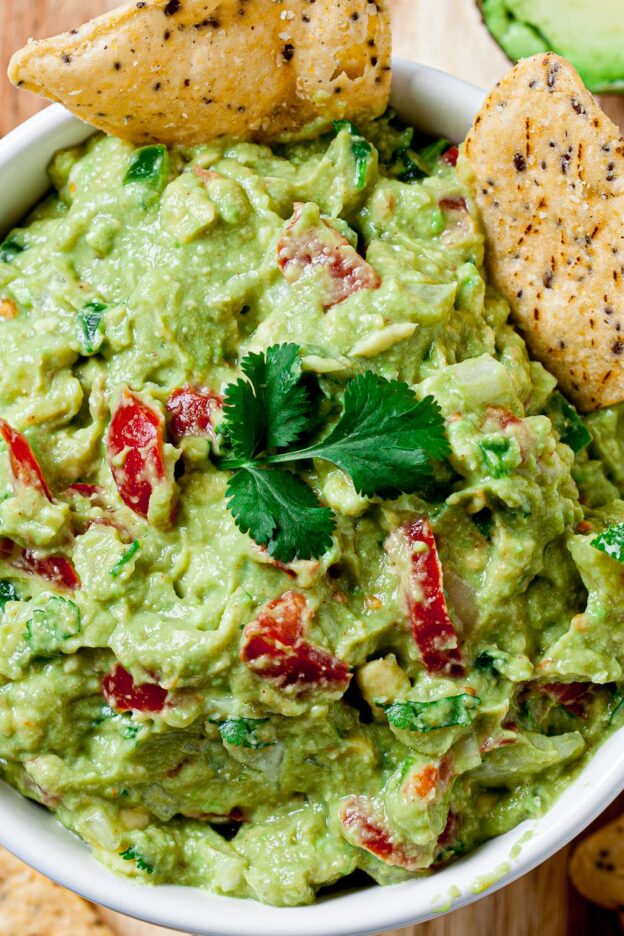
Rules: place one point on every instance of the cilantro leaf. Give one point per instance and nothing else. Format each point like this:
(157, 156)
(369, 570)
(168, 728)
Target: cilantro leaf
(429, 716)
(280, 512)
(242, 732)
(611, 542)
(270, 409)
(385, 438)
(133, 854)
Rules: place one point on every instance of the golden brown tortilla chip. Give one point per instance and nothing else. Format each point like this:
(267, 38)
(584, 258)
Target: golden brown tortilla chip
(597, 866)
(31, 905)
(547, 167)
(186, 71)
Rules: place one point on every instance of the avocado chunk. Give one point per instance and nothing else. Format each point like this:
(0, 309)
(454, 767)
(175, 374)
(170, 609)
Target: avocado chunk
(589, 34)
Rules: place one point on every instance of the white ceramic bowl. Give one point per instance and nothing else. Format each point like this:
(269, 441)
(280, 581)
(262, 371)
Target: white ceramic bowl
(442, 105)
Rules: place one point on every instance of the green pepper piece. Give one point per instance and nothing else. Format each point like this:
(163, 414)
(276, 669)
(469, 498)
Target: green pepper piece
(149, 166)
(90, 323)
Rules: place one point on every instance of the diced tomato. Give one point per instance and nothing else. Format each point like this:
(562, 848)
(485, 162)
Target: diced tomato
(322, 246)
(24, 466)
(123, 695)
(135, 451)
(370, 833)
(501, 417)
(453, 203)
(56, 569)
(451, 155)
(274, 647)
(573, 696)
(192, 411)
(414, 551)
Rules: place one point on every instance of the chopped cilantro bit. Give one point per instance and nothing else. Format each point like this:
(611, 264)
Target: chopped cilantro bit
(495, 452)
(11, 248)
(133, 854)
(242, 732)
(360, 148)
(90, 324)
(430, 716)
(149, 166)
(611, 542)
(125, 559)
(8, 593)
(570, 426)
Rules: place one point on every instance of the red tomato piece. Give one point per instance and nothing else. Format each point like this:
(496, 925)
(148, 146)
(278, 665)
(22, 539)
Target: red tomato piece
(56, 569)
(135, 451)
(123, 694)
(191, 411)
(432, 627)
(274, 647)
(24, 466)
(370, 833)
(451, 155)
(573, 696)
(453, 203)
(322, 246)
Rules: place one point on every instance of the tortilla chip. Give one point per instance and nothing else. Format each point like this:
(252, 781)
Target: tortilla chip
(547, 167)
(186, 71)
(597, 866)
(31, 905)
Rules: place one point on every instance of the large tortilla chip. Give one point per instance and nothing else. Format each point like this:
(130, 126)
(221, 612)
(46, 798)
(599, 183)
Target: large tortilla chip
(186, 71)
(547, 167)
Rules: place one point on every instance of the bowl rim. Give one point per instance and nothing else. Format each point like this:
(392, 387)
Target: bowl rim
(440, 103)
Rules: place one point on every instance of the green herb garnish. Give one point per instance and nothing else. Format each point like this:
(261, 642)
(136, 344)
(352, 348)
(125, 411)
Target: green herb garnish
(611, 542)
(90, 324)
(430, 716)
(242, 732)
(149, 166)
(125, 559)
(385, 441)
(495, 452)
(133, 854)
(572, 430)
(11, 248)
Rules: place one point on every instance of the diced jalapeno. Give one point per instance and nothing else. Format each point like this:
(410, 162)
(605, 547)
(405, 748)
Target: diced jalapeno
(90, 324)
(7, 593)
(125, 559)
(611, 542)
(11, 248)
(149, 166)
(429, 716)
(360, 148)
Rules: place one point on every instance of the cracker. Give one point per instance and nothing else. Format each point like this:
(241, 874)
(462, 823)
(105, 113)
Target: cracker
(31, 905)
(186, 71)
(597, 866)
(547, 166)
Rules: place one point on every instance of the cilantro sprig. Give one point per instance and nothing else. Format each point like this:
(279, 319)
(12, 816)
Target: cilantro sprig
(385, 440)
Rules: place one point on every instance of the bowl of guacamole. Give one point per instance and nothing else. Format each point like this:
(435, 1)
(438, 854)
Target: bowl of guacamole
(235, 664)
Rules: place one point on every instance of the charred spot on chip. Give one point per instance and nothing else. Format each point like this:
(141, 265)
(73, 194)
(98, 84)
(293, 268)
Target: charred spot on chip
(618, 347)
(519, 162)
(66, 58)
(288, 52)
(577, 107)
(552, 75)
(173, 7)
(548, 279)
(117, 66)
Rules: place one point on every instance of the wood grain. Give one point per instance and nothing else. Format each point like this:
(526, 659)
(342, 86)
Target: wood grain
(446, 34)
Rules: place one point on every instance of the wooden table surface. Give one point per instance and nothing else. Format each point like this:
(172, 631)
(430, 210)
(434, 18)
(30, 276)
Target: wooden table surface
(447, 34)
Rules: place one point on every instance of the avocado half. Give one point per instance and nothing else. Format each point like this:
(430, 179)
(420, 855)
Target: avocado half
(590, 33)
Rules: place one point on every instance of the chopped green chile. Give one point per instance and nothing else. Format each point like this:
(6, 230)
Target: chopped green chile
(90, 324)
(611, 542)
(11, 248)
(430, 716)
(148, 166)
(129, 554)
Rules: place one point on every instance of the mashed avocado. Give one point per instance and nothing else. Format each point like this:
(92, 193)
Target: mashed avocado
(195, 710)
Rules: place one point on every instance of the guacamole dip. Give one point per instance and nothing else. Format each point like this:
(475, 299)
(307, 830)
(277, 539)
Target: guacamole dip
(196, 710)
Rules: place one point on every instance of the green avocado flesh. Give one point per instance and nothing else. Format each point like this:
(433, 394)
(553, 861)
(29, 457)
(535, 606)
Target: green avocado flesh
(128, 705)
(589, 33)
